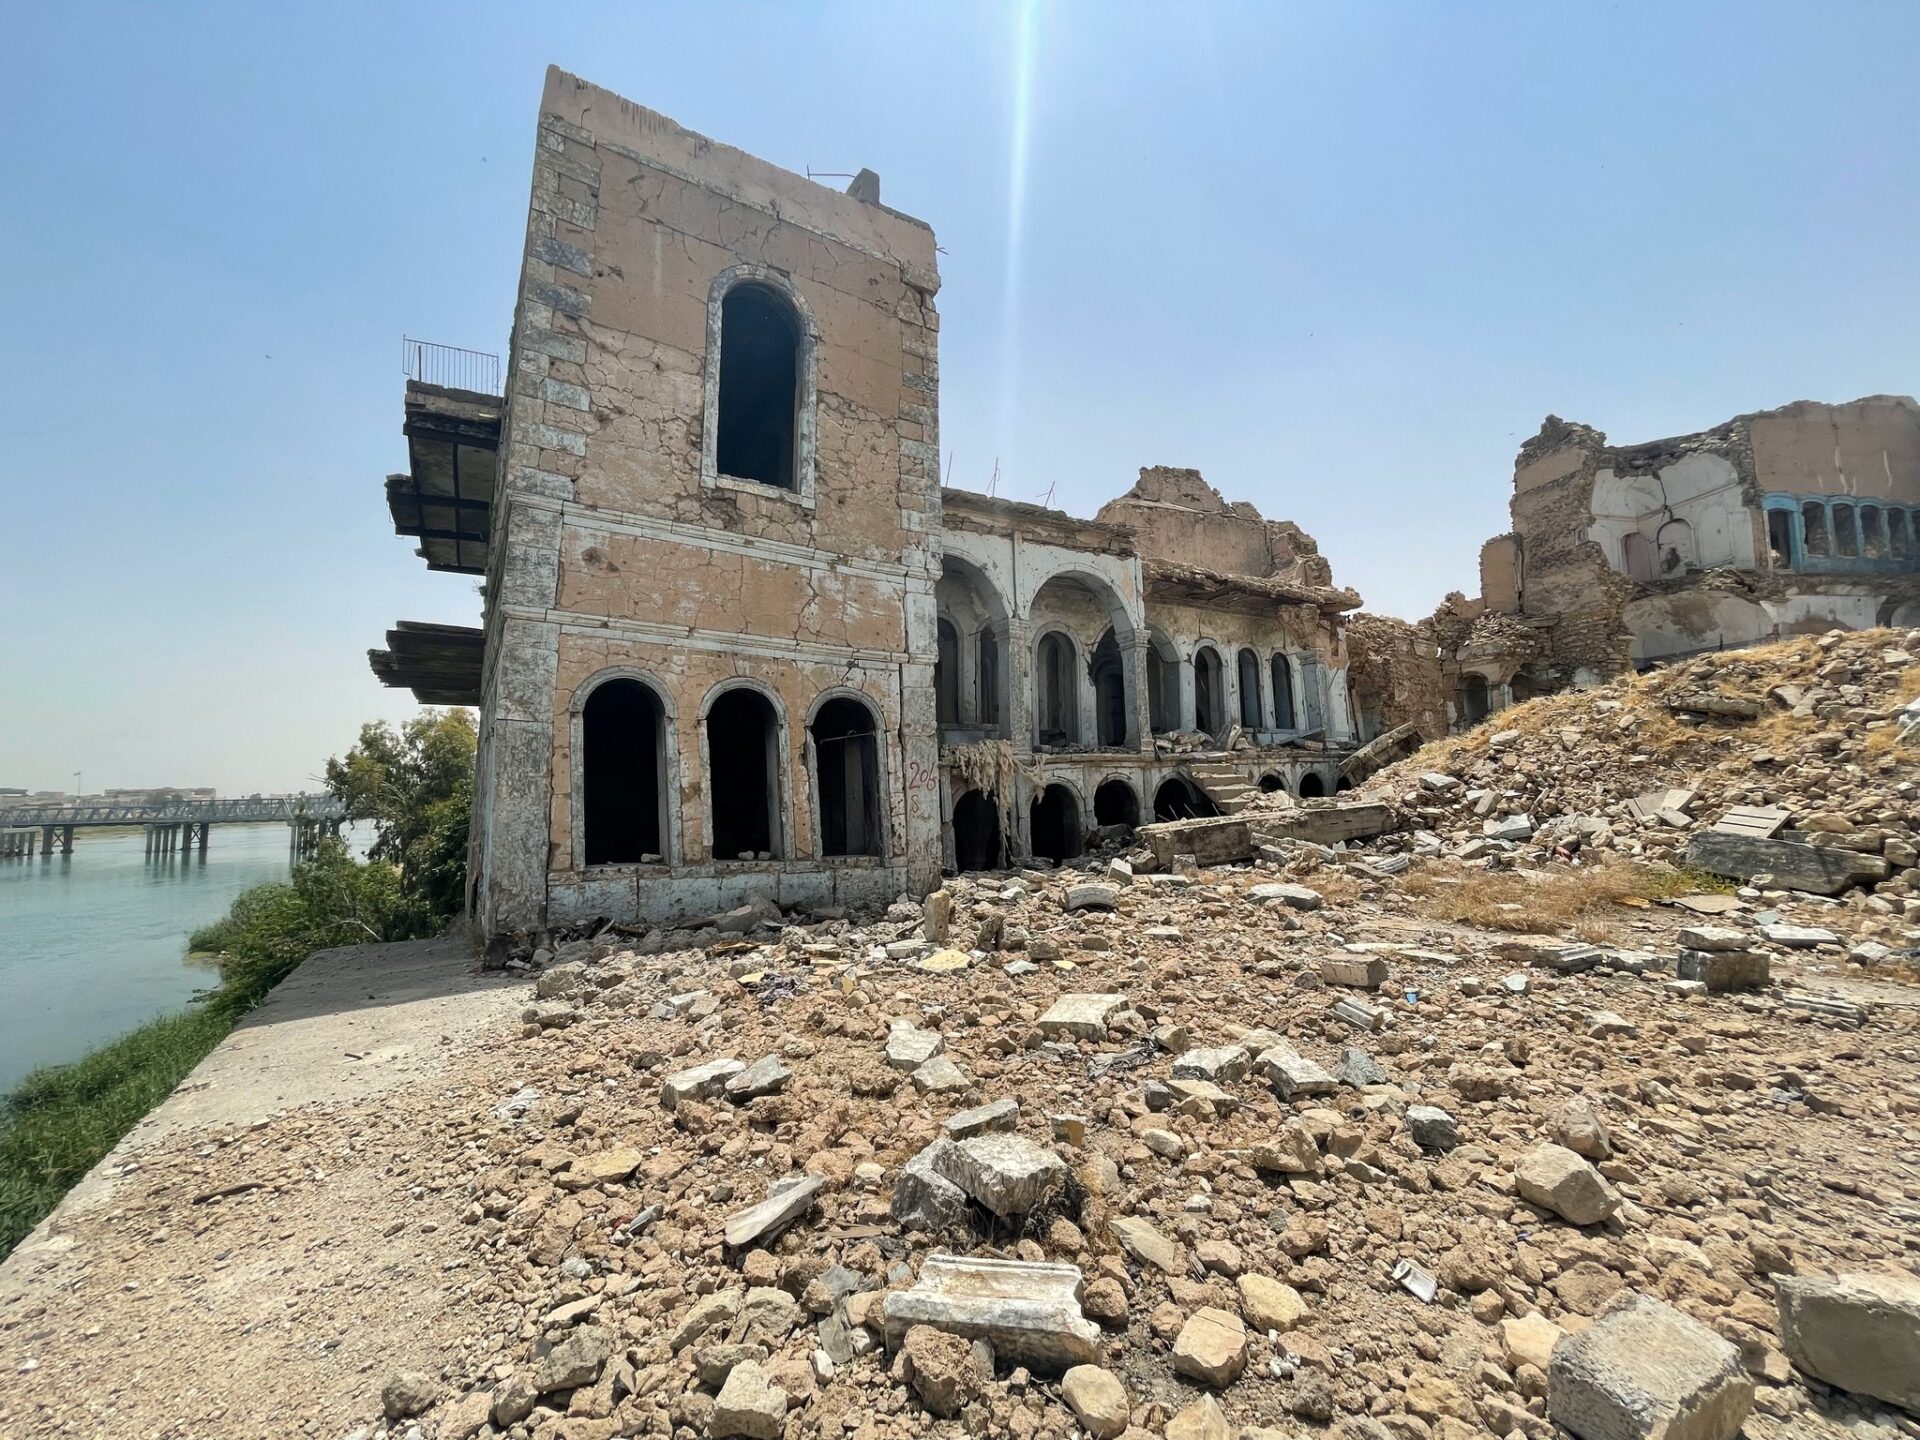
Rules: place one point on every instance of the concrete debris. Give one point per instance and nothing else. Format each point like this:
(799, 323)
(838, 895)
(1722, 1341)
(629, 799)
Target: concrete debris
(1081, 1017)
(1008, 1174)
(702, 1082)
(1556, 1179)
(762, 1222)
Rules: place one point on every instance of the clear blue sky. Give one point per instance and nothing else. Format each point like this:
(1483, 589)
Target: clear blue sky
(1341, 257)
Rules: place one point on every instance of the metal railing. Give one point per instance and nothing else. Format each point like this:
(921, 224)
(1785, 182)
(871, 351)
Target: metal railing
(449, 365)
(235, 811)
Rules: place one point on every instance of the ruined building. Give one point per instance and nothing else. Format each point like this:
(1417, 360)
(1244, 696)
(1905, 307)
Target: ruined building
(738, 640)
(1784, 522)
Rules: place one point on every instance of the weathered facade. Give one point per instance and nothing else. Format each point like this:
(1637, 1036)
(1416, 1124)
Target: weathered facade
(1783, 522)
(738, 641)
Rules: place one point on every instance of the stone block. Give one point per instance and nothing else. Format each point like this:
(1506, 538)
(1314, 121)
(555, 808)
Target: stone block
(1081, 1016)
(1030, 1312)
(998, 1115)
(1008, 1174)
(1792, 865)
(702, 1082)
(1369, 973)
(1644, 1371)
(1725, 969)
(1860, 1332)
(1556, 1179)
(923, 1197)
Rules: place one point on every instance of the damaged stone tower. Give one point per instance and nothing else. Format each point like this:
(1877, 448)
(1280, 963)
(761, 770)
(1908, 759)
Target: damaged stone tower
(710, 598)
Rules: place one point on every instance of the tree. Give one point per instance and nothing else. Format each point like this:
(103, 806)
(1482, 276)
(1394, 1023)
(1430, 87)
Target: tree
(416, 785)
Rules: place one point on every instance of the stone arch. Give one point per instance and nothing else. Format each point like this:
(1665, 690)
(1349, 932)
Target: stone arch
(1209, 690)
(977, 841)
(1116, 802)
(1247, 673)
(1056, 689)
(651, 788)
(846, 761)
(743, 758)
(1163, 681)
(1056, 828)
(973, 609)
(1178, 797)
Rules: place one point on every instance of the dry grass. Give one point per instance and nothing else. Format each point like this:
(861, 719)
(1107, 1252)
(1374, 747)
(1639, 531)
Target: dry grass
(1546, 903)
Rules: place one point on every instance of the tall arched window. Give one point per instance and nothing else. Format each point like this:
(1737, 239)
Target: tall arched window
(1282, 693)
(1109, 691)
(1474, 704)
(946, 676)
(623, 775)
(1209, 691)
(1059, 710)
(756, 436)
(743, 776)
(987, 685)
(846, 764)
(1248, 665)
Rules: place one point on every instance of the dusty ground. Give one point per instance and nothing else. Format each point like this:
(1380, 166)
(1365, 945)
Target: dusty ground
(402, 1223)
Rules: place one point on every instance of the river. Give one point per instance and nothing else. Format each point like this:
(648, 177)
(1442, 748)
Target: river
(94, 943)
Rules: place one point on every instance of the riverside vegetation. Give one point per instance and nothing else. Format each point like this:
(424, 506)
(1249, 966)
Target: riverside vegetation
(415, 785)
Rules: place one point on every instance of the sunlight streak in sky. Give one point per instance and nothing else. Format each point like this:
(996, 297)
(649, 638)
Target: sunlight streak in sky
(1021, 140)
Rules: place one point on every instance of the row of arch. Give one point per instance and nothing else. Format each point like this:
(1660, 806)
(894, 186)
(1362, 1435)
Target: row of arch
(1057, 826)
(626, 768)
(1259, 708)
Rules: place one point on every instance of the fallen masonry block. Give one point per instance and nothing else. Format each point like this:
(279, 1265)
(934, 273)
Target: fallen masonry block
(1828, 1007)
(773, 1214)
(702, 1082)
(1724, 969)
(1081, 1016)
(1713, 937)
(999, 1115)
(1327, 824)
(1509, 827)
(1092, 896)
(1008, 1174)
(1790, 865)
(750, 1405)
(1561, 959)
(1644, 1371)
(1296, 897)
(1357, 1069)
(1799, 937)
(1432, 1128)
(923, 1197)
(1222, 1102)
(1368, 974)
(1147, 1245)
(1029, 1311)
(1292, 1075)
(909, 1047)
(1214, 840)
(1860, 1332)
(1358, 1013)
(766, 1076)
(1226, 1062)
(1724, 707)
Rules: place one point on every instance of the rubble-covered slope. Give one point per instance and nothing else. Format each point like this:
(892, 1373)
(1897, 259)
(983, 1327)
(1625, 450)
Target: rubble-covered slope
(1316, 1159)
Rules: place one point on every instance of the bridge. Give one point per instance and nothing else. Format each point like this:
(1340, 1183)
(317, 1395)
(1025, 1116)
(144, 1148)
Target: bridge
(171, 825)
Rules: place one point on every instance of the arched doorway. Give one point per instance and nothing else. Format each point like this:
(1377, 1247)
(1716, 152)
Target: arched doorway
(846, 765)
(1054, 820)
(1178, 798)
(743, 770)
(1474, 706)
(1282, 693)
(1163, 683)
(622, 774)
(1114, 803)
(1271, 782)
(1311, 786)
(976, 832)
(1209, 692)
(946, 675)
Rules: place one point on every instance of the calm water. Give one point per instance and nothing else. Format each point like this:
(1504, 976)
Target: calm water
(94, 943)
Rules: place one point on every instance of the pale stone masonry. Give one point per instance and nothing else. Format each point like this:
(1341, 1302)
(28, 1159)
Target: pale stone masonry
(739, 643)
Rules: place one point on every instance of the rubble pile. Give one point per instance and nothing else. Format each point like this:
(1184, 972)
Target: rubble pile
(1804, 734)
(1139, 1149)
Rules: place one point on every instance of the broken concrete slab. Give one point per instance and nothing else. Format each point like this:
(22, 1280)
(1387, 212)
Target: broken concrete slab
(1091, 896)
(1369, 973)
(1294, 897)
(1292, 1075)
(1644, 1371)
(940, 1076)
(766, 1076)
(1225, 1062)
(1860, 1332)
(1327, 824)
(1030, 1312)
(1788, 864)
(1213, 840)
